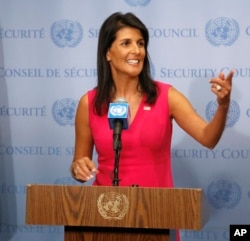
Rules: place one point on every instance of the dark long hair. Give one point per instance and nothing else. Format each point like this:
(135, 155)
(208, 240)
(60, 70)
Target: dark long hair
(105, 83)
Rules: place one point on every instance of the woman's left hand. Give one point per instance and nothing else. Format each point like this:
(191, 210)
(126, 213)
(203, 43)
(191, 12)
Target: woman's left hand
(221, 86)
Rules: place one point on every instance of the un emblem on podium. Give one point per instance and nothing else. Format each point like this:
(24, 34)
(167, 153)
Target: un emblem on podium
(113, 205)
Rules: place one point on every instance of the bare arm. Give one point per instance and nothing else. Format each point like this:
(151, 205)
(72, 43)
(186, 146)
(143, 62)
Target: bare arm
(82, 165)
(206, 133)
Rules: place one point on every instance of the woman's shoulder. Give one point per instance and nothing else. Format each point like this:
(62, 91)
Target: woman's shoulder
(92, 92)
(86, 97)
(162, 85)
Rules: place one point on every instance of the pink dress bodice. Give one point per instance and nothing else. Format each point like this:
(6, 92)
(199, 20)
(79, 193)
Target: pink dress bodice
(145, 158)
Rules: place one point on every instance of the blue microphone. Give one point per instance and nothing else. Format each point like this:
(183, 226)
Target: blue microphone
(118, 112)
(118, 115)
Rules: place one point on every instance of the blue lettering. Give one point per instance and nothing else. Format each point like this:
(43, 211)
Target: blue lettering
(235, 154)
(173, 33)
(12, 189)
(187, 73)
(23, 111)
(24, 150)
(22, 33)
(10, 228)
(93, 33)
(81, 73)
(239, 72)
(57, 151)
(69, 151)
(20, 73)
(53, 73)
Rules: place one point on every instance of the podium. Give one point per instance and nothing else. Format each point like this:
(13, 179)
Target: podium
(94, 213)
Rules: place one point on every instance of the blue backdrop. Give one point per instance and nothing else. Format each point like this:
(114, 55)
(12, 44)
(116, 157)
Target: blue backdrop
(48, 61)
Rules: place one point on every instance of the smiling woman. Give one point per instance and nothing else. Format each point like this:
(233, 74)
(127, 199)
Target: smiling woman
(123, 71)
(126, 55)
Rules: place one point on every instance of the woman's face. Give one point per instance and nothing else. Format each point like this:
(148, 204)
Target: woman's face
(126, 54)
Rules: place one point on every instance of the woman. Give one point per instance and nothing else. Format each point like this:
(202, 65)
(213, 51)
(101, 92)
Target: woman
(124, 71)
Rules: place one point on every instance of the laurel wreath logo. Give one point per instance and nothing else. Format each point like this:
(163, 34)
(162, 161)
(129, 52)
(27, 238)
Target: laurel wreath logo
(113, 205)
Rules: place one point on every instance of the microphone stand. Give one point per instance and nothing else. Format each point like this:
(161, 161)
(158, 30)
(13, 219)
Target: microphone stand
(117, 146)
(116, 169)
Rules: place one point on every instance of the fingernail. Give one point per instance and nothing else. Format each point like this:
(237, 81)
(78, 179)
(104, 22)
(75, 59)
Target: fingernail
(89, 177)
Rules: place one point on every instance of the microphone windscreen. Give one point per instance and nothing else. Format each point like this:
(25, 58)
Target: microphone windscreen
(118, 111)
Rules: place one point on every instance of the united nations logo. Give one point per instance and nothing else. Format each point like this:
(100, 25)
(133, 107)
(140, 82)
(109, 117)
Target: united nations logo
(64, 111)
(232, 116)
(118, 110)
(222, 31)
(135, 3)
(112, 205)
(66, 33)
(224, 194)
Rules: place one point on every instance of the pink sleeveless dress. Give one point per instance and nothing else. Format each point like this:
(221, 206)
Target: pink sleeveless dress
(145, 158)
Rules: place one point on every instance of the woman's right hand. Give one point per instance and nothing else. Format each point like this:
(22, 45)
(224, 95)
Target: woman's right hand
(83, 169)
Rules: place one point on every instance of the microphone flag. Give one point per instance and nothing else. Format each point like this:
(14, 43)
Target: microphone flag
(118, 111)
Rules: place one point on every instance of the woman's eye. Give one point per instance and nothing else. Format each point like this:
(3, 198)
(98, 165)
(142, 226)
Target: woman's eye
(141, 44)
(125, 43)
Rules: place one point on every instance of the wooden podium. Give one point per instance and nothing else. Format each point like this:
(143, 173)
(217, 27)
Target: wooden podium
(90, 213)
